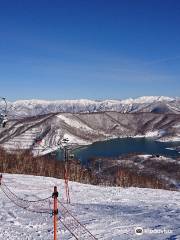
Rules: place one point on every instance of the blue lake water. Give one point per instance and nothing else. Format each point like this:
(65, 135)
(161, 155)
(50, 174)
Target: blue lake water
(120, 146)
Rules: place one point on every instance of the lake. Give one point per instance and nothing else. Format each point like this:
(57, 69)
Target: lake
(120, 146)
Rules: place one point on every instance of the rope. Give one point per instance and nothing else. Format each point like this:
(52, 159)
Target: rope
(68, 228)
(73, 222)
(25, 204)
(25, 200)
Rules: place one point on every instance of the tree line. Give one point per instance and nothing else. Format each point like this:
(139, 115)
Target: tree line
(23, 162)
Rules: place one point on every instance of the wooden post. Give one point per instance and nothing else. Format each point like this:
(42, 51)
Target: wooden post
(55, 211)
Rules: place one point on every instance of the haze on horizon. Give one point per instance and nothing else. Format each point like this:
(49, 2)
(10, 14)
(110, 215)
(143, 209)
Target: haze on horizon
(89, 49)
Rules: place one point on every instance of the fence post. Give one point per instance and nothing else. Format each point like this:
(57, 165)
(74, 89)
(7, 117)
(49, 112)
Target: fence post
(55, 211)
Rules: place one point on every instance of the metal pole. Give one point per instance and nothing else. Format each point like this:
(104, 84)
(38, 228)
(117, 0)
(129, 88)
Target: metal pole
(66, 174)
(55, 211)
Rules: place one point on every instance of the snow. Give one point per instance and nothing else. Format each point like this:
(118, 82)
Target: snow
(43, 150)
(170, 139)
(177, 126)
(110, 213)
(147, 99)
(22, 141)
(143, 99)
(171, 149)
(76, 140)
(157, 133)
(151, 134)
(145, 156)
(33, 107)
(74, 123)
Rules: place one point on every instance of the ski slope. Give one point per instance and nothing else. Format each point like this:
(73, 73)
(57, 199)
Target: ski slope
(110, 213)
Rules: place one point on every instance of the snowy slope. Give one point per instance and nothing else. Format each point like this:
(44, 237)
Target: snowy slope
(142, 104)
(110, 213)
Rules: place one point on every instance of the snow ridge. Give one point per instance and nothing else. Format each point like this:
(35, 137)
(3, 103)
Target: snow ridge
(142, 104)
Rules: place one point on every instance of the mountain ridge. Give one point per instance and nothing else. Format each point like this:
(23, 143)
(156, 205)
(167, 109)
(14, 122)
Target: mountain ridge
(157, 104)
(137, 99)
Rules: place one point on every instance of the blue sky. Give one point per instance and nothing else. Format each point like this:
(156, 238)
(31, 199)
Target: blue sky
(98, 49)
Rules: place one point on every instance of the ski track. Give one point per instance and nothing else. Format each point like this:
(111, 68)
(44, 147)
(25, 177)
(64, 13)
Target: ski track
(110, 213)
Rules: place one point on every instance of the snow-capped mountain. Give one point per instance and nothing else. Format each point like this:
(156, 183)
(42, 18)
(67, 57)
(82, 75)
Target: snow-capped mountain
(142, 104)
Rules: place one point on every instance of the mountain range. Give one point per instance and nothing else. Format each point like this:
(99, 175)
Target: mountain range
(155, 104)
